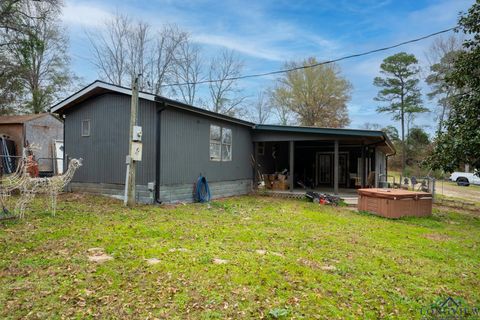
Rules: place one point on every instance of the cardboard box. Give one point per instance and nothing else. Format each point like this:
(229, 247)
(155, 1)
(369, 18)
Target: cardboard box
(280, 185)
(266, 180)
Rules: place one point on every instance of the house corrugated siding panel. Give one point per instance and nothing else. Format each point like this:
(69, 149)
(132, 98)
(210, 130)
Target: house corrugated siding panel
(105, 150)
(185, 142)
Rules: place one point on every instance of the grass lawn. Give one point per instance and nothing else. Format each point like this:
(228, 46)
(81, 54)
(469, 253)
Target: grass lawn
(475, 187)
(273, 257)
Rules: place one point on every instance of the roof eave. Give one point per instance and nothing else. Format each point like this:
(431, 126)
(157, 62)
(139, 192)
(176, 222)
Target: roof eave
(59, 107)
(97, 85)
(332, 131)
(336, 131)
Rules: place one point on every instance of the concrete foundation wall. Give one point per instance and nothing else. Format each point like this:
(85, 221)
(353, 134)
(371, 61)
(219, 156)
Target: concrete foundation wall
(219, 189)
(168, 194)
(115, 190)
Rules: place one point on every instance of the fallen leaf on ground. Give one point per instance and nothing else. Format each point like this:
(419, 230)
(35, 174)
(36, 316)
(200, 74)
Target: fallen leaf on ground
(328, 268)
(278, 254)
(178, 249)
(220, 261)
(100, 258)
(152, 261)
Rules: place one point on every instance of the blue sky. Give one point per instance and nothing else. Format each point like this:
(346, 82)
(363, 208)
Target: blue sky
(265, 34)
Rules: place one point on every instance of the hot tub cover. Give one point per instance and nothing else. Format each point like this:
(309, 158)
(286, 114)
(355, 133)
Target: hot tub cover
(393, 194)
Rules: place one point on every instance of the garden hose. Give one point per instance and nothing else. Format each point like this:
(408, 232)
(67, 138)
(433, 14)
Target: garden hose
(202, 192)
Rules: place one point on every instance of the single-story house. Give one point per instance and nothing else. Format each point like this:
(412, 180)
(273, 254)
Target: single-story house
(41, 130)
(181, 142)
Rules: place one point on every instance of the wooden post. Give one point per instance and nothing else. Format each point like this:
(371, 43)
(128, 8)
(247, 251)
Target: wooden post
(376, 158)
(292, 159)
(335, 167)
(363, 167)
(130, 186)
(255, 166)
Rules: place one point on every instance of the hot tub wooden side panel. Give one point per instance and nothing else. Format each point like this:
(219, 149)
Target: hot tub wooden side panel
(395, 208)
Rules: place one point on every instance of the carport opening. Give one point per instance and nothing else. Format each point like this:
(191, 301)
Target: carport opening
(314, 163)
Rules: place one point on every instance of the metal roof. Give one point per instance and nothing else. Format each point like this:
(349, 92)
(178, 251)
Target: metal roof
(99, 87)
(328, 131)
(19, 119)
(334, 131)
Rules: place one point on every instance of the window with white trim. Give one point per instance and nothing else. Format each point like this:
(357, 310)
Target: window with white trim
(215, 143)
(220, 143)
(226, 144)
(86, 128)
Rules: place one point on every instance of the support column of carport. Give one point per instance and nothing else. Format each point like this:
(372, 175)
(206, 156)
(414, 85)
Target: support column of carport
(255, 165)
(291, 162)
(363, 164)
(335, 167)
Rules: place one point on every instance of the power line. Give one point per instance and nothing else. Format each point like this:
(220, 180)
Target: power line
(263, 74)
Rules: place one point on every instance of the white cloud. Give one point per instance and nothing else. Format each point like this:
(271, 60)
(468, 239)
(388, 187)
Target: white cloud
(248, 47)
(84, 14)
(440, 13)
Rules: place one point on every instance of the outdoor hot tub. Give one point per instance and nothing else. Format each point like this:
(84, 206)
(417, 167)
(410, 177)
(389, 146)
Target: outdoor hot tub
(395, 203)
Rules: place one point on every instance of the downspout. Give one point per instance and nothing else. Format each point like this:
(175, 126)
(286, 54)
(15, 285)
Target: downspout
(158, 154)
(68, 187)
(64, 118)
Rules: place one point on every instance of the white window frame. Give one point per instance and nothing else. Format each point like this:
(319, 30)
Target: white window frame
(89, 128)
(221, 144)
(225, 145)
(216, 142)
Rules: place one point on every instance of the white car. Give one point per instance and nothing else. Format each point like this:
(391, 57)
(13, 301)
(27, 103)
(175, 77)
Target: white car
(465, 178)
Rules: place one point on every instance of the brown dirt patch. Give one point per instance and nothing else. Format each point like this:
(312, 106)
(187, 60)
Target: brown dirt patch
(98, 255)
(436, 237)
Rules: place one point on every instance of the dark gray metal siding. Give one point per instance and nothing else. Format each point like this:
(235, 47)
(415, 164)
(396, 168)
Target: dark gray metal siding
(185, 141)
(104, 151)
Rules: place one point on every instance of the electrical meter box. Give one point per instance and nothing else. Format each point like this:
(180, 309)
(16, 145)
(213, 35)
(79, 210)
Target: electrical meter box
(136, 152)
(137, 133)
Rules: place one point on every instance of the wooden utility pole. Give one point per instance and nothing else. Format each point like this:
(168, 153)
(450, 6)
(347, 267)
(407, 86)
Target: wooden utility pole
(130, 185)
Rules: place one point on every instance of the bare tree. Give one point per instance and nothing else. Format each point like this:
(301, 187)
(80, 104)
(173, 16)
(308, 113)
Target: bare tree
(110, 49)
(42, 58)
(137, 47)
(10, 85)
(441, 56)
(262, 109)
(125, 48)
(225, 96)
(19, 29)
(163, 57)
(442, 46)
(371, 126)
(187, 72)
(281, 108)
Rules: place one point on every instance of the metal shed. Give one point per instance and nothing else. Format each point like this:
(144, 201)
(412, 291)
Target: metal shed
(41, 129)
